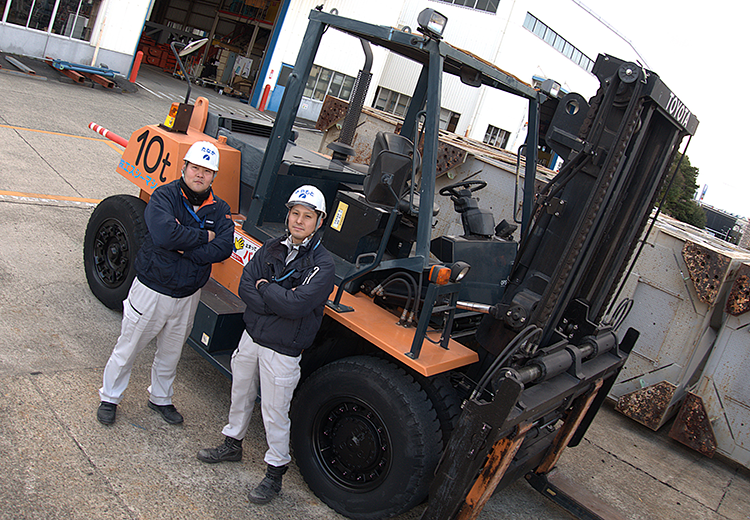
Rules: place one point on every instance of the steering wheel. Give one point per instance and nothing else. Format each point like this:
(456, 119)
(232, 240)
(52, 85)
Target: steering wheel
(452, 190)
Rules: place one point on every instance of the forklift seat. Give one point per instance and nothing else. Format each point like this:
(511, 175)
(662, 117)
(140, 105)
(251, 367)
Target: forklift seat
(390, 169)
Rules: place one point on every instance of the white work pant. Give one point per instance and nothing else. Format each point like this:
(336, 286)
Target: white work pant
(278, 376)
(146, 315)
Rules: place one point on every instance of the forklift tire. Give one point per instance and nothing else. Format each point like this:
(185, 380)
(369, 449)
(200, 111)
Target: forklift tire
(365, 437)
(114, 235)
(445, 400)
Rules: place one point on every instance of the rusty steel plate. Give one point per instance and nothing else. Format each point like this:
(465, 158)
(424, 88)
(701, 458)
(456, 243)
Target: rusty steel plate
(333, 110)
(449, 157)
(692, 428)
(739, 296)
(647, 405)
(707, 270)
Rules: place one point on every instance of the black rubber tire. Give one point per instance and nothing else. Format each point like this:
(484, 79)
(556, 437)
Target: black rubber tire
(365, 437)
(114, 235)
(445, 400)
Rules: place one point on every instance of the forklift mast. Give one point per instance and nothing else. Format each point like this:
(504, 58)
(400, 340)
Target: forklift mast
(555, 351)
(588, 219)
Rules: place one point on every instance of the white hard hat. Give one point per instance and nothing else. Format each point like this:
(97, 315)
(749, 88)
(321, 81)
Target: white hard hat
(203, 154)
(309, 196)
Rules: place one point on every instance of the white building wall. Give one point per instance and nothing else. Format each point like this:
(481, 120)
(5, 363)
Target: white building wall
(475, 31)
(468, 29)
(338, 51)
(120, 23)
(399, 74)
(114, 37)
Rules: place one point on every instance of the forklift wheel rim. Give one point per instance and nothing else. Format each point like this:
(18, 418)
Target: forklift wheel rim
(111, 253)
(352, 443)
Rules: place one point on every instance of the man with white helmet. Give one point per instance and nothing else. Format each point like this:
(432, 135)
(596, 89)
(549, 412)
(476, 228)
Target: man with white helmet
(188, 229)
(285, 285)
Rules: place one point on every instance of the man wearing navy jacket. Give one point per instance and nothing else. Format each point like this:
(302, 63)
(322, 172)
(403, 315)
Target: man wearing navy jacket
(285, 287)
(189, 228)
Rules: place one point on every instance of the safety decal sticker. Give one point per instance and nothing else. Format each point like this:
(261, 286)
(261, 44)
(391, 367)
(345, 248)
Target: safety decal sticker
(244, 248)
(338, 217)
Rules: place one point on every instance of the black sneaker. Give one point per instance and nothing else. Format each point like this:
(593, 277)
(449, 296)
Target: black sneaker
(106, 412)
(168, 412)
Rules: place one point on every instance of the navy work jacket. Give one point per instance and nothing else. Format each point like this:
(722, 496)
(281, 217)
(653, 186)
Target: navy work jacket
(285, 314)
(176, 256)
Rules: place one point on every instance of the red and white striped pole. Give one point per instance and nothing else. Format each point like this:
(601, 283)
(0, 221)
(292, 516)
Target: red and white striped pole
(109, 135)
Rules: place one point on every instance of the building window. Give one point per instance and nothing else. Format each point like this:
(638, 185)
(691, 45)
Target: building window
(391, 101)
(322, 82)
(396, 103)
(489, 6)
(448, 120)
(533, 24)
(72, 18)
(495, 136)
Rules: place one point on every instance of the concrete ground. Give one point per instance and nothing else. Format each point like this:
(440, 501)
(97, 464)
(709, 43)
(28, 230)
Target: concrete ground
(58, 462)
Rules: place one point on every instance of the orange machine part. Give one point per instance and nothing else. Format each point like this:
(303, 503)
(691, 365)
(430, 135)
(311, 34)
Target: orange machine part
(379, 327)
(154, 155)
(368, 320)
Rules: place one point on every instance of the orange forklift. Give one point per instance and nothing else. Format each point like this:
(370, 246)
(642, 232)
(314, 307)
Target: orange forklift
(447, 367)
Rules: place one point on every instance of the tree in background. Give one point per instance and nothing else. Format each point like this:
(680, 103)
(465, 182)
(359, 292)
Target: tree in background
(679, 203)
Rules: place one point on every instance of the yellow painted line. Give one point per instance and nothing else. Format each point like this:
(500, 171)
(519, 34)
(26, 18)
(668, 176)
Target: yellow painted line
(37, 196)
(115, 146)
(110, 143)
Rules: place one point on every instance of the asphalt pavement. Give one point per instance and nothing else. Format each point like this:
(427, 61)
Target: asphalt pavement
(58, 462)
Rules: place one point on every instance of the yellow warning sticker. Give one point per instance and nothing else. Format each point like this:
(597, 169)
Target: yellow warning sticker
(338, 217)
(244, 247)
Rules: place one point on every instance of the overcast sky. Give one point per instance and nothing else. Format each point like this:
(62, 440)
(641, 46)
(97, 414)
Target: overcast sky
(699, 49)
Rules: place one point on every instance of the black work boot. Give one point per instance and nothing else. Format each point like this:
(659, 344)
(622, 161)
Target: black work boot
(168, 412)
(269, 487)
(230, 451)
(106, 412)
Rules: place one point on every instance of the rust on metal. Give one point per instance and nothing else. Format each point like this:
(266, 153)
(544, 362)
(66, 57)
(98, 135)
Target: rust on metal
(692, 428)
(333, 110)
(498, 462)
(647, 405)
(568, 429)
(78, 78)
(707, 270)
(69, 73)
(96, 78)
(449, 157)
(20, 66)
(739, 296)
(453, 149)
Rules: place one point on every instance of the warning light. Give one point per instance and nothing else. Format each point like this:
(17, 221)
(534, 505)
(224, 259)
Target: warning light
(173, 110)
(440, 274)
